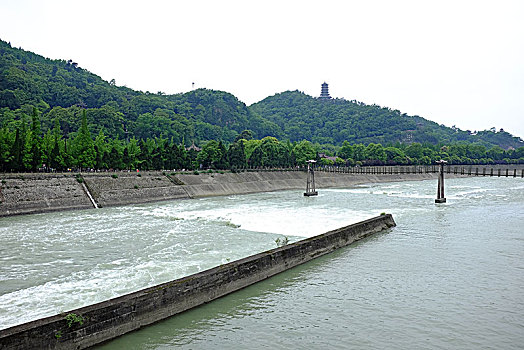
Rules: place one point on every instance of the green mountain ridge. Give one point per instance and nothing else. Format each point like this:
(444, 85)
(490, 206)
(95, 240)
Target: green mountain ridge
(334, 121)
(61, 90)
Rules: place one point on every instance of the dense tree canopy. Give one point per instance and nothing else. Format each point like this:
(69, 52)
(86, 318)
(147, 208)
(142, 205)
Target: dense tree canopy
(24, 147)
(334, 121)
(56, 115)
(59, 88)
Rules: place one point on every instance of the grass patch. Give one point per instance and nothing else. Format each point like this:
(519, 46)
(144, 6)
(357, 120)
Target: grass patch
(73, 319)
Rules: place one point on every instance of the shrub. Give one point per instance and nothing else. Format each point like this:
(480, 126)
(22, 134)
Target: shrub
(282, 242)
(74, 318)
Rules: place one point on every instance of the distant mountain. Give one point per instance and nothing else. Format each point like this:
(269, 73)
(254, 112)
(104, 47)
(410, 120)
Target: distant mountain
(61, 90)
(300, 116)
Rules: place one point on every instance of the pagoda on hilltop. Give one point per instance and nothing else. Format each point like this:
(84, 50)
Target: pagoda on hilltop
(324, 94)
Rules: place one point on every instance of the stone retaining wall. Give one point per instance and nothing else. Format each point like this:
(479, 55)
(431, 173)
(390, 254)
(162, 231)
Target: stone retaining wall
(112, 189)
(35, 193)
(115, 317)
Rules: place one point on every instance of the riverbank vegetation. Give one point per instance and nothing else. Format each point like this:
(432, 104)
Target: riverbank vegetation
(28, 148)
(56, 115)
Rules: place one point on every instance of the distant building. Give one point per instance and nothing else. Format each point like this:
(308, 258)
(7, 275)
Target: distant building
(193, 147)
(323, 155)
(324, 94)
(407, 136)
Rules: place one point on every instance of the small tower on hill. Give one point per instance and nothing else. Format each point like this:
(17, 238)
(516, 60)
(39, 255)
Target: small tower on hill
(324, 93)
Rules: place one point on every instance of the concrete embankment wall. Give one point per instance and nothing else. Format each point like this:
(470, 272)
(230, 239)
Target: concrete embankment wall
(251, 182)
(115, 317)
(121, 188)
(35, 193)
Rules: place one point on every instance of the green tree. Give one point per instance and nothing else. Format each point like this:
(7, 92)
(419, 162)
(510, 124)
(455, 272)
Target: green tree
(101, 149)
(339, 161)
(244, 135)
(5, 147)
(375, 152)
(114, 155)
(223, 161)
(326, 161)
(249, 147)
(495, 153)
(210, 155)
(395, 156)
(303, 152)
(133, 151)
(359, 152)
(414, 151)
(83, 146)
(256, 157)
(346, 151)
(275, 154)
(236, 155)
(32, 158)
(16, 152)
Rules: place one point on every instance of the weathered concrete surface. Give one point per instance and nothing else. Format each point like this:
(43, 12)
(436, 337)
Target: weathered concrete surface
(115, 317)
(35, 193)
(112, 189)
(252, 182)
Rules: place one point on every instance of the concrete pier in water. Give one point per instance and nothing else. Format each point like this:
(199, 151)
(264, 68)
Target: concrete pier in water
(440, 186)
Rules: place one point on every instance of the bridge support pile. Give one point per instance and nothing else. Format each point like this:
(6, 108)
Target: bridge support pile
(440, 187)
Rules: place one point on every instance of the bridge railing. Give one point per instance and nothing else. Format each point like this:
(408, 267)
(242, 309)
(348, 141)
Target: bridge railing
(509, 170)
(516, 170)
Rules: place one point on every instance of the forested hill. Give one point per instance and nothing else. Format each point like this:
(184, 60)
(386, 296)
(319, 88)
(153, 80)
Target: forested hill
(301, 116)
(61, 90)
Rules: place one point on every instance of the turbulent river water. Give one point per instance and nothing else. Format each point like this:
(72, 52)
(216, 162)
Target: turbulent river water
(448, 276)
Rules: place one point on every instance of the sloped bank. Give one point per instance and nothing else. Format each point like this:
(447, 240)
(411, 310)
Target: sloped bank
(36, 193)
(204, 185)
(100, 322)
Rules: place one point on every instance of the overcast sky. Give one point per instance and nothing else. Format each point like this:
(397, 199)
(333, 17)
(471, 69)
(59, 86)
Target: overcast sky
(454, 62)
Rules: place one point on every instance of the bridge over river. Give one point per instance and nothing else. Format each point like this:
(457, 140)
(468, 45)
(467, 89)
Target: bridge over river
(510, 170)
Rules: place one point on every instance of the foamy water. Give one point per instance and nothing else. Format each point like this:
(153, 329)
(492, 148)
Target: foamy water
(56, 262)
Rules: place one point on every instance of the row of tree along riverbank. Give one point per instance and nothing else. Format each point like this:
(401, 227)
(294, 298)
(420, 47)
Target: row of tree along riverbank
(25, 147)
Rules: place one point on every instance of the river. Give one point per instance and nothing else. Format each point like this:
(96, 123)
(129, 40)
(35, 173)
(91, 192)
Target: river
(448, 276)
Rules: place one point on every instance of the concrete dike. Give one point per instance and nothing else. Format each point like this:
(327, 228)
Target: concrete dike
(91, 325)
(37, 193)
